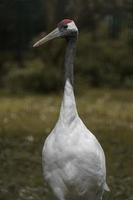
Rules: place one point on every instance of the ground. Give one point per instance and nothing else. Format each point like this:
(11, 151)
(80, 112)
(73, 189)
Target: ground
(26, 120)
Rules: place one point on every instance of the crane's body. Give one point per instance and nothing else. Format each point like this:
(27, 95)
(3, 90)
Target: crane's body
(73, 160)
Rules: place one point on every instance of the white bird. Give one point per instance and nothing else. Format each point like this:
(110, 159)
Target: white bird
(73, 160)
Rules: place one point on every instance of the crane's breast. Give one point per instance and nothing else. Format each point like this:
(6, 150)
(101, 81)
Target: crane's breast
(73, 161)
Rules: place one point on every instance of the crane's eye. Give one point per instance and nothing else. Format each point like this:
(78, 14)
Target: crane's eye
(65, 26)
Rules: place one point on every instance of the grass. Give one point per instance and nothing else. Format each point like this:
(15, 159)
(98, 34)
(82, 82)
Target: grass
(25, 121)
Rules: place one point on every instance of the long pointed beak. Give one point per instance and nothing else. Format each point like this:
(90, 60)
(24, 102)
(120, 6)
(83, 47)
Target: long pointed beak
(54, 34)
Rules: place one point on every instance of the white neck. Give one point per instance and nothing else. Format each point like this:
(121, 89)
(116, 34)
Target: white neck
(68, 110)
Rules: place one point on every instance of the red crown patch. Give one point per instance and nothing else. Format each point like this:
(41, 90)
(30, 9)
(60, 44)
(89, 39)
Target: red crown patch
(64, 22)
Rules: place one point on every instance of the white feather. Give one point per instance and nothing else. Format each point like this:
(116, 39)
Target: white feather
(73, 160)
(72, 26)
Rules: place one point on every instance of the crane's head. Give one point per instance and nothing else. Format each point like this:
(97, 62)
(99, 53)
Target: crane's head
(66, 28)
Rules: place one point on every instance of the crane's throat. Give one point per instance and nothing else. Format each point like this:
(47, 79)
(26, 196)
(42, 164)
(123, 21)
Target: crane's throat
(68, 109)
(69, 59)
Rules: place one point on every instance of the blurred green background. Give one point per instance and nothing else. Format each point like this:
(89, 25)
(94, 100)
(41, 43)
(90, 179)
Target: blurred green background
(105, 46)
(31, 86)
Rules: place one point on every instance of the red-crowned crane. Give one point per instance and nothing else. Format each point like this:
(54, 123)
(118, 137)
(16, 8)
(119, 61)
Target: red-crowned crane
(73, 160)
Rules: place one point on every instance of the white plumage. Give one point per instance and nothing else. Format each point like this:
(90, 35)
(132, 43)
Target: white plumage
(73, 160)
